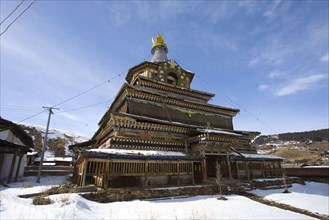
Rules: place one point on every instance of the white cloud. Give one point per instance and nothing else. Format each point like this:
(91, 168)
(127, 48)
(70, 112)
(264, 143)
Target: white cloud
(70, 116)
(263, 87)
(270, 11)
(272, 53)
(119, 13)
(325, 58)
(300, 84)
(275, 74)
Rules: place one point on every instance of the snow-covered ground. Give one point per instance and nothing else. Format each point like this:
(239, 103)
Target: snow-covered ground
(313, 196)
(73, 206)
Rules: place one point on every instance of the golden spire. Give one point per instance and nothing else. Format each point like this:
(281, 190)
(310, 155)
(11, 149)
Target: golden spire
(159, 50)
(159, 42)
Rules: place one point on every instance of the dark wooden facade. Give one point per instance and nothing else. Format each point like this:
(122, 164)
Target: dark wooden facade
(156, 112)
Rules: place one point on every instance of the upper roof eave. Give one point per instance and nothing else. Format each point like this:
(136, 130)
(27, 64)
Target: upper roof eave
(182, 88)
(137, 67)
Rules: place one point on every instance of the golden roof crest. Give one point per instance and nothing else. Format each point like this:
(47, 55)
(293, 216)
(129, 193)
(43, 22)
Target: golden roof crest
(159, 41)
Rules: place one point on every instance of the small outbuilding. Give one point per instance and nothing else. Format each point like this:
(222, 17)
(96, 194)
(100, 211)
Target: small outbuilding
(15, 143)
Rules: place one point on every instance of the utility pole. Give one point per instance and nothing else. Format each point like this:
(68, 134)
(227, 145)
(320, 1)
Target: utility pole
(45, 141)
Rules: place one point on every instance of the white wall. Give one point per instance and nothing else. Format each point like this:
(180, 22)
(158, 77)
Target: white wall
(9, 136)
(7, 160)
(4, 172)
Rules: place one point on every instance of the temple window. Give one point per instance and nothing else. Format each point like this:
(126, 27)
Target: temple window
(154, 76)
(172, 79)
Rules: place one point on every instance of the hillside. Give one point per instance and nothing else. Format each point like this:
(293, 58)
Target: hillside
(58, 140)
(299, 148)
(317, 135)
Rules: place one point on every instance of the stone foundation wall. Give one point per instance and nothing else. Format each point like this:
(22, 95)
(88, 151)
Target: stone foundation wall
(112, 195)
(276, 182)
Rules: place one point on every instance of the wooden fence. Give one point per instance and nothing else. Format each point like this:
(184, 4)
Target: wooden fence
(101, 169)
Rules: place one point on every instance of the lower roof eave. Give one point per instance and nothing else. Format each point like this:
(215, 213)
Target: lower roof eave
(139, 155)
(255, 157)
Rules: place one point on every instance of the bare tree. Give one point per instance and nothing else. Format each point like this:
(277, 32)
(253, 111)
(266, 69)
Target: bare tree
(284, 179)
(219, 180)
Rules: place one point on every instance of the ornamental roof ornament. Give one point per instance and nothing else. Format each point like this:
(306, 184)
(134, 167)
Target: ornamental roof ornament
(159, 41)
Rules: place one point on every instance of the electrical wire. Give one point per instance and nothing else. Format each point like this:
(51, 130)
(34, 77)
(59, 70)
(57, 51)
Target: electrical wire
(237, 104)
(18, 17)
(88, 90)
(32, 116)
(73, 97)
(12, 12)
(88, 106)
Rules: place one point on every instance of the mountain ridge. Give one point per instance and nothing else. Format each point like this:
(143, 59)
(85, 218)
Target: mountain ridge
(57, 140)
(313, 135)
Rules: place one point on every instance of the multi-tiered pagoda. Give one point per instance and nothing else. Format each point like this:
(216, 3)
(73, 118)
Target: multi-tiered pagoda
(159, 131)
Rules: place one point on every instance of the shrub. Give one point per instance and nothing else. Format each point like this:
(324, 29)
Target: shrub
(42, 201)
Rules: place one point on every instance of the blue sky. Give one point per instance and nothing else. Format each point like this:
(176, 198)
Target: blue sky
(267, 58)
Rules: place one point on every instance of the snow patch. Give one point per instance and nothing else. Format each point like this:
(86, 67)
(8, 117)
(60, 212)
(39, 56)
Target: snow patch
(138, 152)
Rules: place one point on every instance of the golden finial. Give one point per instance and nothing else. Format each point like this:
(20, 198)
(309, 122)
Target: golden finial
(159, 42)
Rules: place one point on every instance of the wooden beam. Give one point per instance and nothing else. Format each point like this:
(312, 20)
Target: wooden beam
(193, 181)
(237, 170)
(248, 171)
(262, 166)
(84, 172)
(229, 169)
(178, 176)
(106, 175)
(146, 173)
(204, 171)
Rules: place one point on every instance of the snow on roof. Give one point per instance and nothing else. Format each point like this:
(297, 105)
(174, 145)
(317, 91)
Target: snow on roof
(53, 159)
(32, 153)
(316, 167)
(138, 152)
(218, 132)
(258, 156)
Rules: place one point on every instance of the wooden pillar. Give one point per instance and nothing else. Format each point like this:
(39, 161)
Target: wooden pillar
(12, 167)
(248, 170)
(84, 172)
(204, 171)
(193, 182)
(237, 170)
(185, 146)
(178, 171)
(281, 170)
(229, 169)
(107, 173)
(262, 165)
(18, 166)
(146, 173)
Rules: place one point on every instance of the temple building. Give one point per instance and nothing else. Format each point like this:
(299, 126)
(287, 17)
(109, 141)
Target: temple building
(158, 131)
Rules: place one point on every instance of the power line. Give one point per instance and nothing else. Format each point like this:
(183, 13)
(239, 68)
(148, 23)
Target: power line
(12, 12)
(73, 97)
(88, 106)
(18, 17)
(240, 106)
(81, 128)
(88, 90)
(32, 116)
